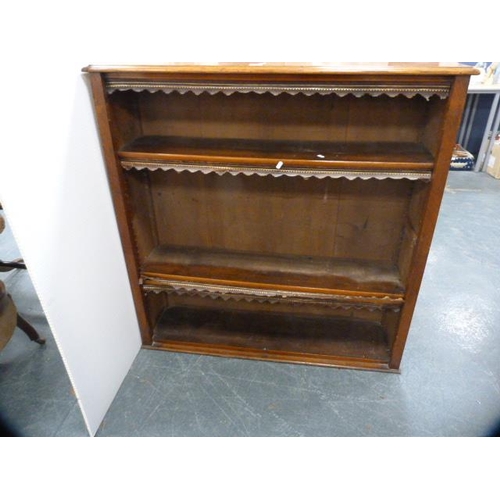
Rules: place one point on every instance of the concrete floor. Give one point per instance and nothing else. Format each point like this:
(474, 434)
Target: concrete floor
(449, 385)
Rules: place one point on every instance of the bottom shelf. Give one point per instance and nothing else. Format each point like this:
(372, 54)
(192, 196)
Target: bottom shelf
(310, 339)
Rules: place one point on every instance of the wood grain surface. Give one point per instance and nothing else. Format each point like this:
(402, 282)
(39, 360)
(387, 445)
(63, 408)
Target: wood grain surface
(364, 241)
(294, 68)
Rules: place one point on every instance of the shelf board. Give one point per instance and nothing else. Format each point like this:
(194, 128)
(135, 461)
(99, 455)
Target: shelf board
(319, 154)
(273, 336)
(278, 272)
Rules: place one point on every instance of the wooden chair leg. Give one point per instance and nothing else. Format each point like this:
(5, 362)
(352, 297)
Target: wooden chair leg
(29, 330)
(8, 266)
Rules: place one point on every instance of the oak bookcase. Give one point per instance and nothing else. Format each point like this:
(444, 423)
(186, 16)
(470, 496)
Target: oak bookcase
(278, 212)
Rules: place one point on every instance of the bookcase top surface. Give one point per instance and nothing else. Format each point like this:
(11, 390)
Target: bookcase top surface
(291, 68)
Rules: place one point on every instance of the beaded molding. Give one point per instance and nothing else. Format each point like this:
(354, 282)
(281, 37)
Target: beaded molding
(275, 89)
(248, 170)
(159, 285)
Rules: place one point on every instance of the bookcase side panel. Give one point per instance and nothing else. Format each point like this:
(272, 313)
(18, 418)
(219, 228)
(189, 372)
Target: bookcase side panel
(448, 130)
(119, 196)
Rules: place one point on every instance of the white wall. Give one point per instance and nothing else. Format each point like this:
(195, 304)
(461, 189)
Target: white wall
(54, 191)
(55, 194)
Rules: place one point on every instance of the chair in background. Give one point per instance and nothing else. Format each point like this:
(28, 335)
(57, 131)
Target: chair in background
(9, 317)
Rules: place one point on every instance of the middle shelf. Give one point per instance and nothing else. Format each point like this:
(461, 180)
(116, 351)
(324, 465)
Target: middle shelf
(286, 238)
(211, 269)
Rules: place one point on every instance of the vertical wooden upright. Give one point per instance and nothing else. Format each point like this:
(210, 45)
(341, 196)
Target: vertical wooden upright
(119, 195)
(448, 133)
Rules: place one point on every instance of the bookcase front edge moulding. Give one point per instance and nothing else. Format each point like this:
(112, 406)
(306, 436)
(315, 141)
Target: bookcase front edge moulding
(279, 212)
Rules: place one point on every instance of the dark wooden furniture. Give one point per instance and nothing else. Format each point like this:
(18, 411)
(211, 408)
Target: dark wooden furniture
(278, 211)
(9, 317)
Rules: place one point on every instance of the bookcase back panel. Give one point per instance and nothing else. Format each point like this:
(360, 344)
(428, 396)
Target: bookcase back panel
(358, 219)
(141, 214)
(350, 311)
(290, 329)
(284, 117)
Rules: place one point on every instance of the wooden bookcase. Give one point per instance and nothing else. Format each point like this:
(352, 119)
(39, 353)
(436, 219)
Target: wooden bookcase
(278, 212)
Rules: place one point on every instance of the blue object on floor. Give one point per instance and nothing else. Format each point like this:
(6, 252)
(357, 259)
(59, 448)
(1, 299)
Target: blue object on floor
(462, 159)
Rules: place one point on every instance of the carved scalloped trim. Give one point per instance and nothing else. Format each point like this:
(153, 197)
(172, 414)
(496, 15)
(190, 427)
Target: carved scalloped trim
(305, 173)
(158, 285)
(341, 90)
(260, 300)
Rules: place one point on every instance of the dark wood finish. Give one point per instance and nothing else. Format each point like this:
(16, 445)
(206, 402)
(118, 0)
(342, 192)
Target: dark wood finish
(8, 313)
(382, 155)
(277, 270)
(357, 309)
(448, 131)
(218, 250)
(142, 215)
(269, 334)
(9, 316)
(29, 330)
(324, 218)
(109, 139)
(155, 304)
(292, 128)
(8, 266)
